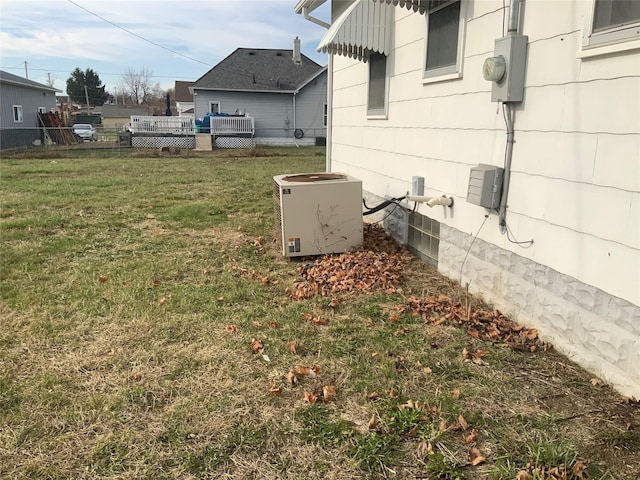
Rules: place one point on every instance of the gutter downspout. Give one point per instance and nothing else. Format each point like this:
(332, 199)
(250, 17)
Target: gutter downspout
(305, 14)
(294, 118)
(509, 114)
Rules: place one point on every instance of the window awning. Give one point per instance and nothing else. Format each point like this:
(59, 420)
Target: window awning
(364, 27)
(415, 5)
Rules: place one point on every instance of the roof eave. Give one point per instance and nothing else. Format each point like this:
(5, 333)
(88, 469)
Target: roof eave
(27, 85)
(211, 89)
(310, 5)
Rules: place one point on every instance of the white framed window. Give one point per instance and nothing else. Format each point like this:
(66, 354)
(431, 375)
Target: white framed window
(377, 98)
(444, 40)
(325, 115)
(42, 109)
(214, 107)
(17, 114)
(611, 22)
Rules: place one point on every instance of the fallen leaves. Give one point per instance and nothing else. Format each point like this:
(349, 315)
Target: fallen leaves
(471, 437)
(485, 325)
(305, 371)
(273, 390)
(291, 378)
(560, 472)
(475, 356)
(361, 271)
(310, 397)
(257, 346)
(231, 328)
(463, 423)
(315, 319)
(328, 392)
(324, 395)
(373, 422)
(475, 457)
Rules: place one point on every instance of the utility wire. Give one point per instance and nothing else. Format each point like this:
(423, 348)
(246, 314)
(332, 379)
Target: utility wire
(138, 36)
(471, 244)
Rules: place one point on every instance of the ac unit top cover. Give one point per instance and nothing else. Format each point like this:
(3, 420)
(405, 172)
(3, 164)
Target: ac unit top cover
(305, 178)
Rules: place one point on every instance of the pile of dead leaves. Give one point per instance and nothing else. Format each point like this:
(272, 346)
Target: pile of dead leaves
(376, 239)
(351, 272)
(486, 325)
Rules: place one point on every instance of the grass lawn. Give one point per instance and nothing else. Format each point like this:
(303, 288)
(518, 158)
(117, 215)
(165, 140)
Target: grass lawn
(148, 330)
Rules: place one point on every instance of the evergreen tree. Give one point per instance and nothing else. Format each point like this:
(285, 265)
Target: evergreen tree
(95, 90)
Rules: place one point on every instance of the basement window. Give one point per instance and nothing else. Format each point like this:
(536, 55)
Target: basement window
(424, 238)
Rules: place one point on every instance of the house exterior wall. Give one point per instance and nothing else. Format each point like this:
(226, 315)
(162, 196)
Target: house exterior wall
(114, 122)
(12, 134)
(273, 112)
(575, 183)
(310, 104)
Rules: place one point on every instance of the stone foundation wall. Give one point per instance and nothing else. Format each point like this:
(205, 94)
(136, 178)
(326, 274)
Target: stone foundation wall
(596, 330)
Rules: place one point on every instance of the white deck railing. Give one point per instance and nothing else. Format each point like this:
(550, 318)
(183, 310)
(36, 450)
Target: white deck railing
(173, 125)
(232, 126)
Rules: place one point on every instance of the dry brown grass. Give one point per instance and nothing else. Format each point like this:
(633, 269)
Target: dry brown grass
(116, 361)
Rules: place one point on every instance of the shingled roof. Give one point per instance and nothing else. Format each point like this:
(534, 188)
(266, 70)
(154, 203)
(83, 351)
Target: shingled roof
(258, 69)
(182, 92)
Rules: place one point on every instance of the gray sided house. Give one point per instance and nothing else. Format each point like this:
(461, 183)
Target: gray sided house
(20, 101)
(284, 91)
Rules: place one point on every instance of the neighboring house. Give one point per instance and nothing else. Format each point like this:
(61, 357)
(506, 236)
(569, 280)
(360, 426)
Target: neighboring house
(283, 90)
(20, 101)
(409, 100)
(116, 116)
(184, 98)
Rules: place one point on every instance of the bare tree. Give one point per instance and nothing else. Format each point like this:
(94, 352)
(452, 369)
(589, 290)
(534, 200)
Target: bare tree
(138, 84)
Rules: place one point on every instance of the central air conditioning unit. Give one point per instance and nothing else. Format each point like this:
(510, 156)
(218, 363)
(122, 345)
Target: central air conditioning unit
(318, 213)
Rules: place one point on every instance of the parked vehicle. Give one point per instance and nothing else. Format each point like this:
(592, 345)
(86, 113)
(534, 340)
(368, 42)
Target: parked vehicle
(85, 131)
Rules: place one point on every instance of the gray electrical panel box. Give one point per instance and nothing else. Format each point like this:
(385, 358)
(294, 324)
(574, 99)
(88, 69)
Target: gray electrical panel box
(485, 186)
(514, 51)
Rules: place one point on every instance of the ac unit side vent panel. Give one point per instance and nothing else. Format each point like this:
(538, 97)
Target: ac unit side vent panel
(318, 213)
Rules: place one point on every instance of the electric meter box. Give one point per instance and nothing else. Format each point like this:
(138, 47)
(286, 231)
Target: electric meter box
(514, 51)
(318, 213)
(485, 186)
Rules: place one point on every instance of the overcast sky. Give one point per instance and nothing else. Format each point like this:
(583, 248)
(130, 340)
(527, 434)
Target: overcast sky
(175, 39)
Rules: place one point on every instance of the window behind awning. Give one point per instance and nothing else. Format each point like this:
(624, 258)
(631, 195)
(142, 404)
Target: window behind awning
(362, 28)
